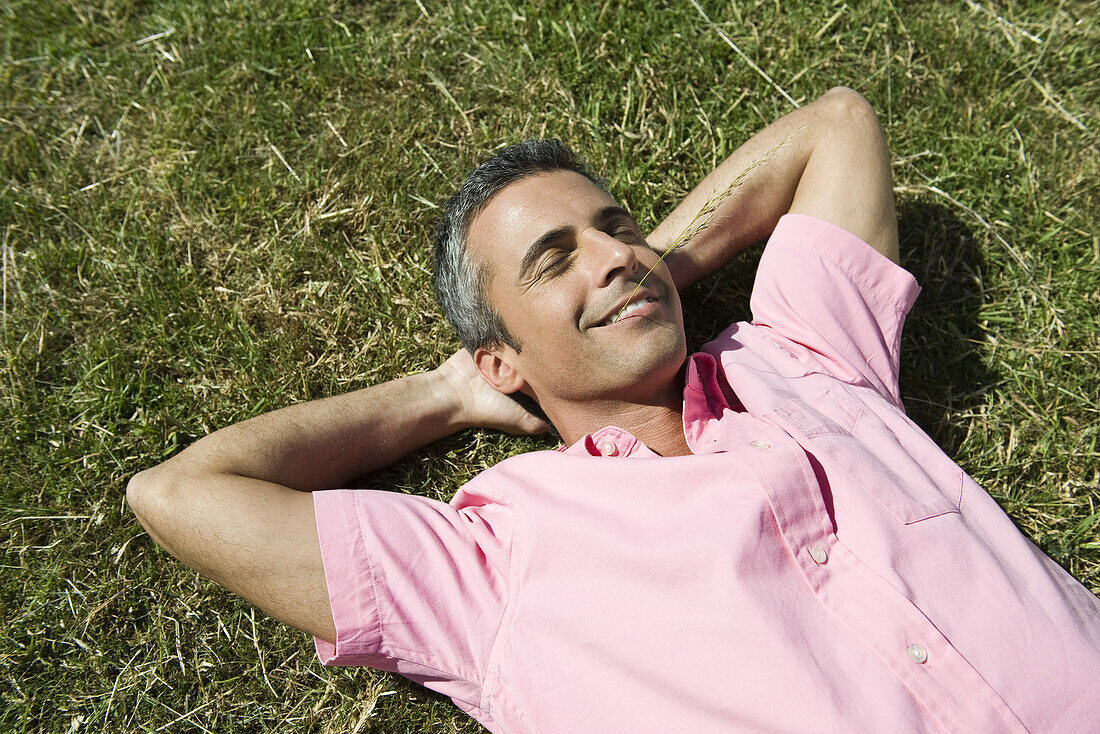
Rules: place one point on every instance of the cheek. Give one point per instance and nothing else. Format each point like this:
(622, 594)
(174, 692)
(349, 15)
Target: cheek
(677, 305)
(557, 308)
(542, 321)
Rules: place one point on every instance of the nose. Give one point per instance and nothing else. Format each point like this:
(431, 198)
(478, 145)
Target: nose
(609, 258)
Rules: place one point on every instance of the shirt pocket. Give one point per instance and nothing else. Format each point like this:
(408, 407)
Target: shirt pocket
(897, 465)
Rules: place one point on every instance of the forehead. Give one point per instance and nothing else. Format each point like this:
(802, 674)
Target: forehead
(525, 210)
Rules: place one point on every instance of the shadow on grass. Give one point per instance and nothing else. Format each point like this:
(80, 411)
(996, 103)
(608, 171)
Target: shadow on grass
(942, 373)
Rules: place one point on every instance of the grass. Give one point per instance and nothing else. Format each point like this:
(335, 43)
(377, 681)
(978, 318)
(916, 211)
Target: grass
(210, 209)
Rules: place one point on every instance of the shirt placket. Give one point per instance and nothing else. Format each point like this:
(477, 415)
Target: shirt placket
(894, 629)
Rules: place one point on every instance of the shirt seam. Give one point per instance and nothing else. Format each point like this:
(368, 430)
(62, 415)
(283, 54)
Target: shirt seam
(384, 647)
(519, 531)
(372, 576)
(395, 652)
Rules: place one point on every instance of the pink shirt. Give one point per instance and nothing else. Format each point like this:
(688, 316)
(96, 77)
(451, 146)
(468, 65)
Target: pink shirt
(817, 565)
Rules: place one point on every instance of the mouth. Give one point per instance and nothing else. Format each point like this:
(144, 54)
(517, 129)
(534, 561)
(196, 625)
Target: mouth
(639, 307)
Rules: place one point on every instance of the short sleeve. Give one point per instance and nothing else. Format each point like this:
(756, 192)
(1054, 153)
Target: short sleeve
(416, 586)
(838, 299)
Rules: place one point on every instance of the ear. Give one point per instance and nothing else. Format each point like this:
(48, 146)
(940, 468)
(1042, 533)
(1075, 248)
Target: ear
(496, 368)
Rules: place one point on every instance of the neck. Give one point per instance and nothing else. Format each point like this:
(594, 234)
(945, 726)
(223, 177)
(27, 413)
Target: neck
(656, 420)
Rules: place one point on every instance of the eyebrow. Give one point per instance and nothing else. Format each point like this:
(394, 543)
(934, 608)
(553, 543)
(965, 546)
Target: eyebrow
(546, 240)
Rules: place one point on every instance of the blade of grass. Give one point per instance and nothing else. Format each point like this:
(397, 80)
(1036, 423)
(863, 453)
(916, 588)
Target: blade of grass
(704, 218)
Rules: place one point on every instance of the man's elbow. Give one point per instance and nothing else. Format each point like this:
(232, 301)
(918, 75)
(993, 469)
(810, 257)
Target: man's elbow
(142, 493)
(848, 107)
(846, 96)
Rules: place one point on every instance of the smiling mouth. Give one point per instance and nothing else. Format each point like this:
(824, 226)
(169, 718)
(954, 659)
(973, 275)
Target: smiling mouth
(630, 308)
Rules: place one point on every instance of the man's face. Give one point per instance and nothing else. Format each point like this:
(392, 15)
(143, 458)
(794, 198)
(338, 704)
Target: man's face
(563, 260)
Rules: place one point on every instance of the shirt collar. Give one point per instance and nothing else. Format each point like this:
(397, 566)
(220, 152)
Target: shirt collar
(704, 402)
(609, 442)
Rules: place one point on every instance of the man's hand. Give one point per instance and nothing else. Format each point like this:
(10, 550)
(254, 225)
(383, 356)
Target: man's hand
(483, 406)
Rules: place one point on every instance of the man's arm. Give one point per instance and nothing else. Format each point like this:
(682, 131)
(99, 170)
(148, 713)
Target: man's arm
(828, 159)
(235, 505)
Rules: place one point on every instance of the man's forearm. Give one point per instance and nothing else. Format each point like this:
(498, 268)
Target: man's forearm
(765, 173)
(325, 443)
(228, 507)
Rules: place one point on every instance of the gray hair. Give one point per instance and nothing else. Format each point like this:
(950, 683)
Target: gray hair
(459, 282)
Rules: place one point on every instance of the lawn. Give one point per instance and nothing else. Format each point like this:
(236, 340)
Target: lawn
(212, 209)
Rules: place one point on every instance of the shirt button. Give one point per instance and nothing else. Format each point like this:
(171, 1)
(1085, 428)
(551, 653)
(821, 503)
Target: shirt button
(761, 445)
(818, 554)
(917, 653)
(608, 448)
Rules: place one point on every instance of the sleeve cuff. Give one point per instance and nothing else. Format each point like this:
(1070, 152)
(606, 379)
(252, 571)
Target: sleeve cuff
(350, 580)
(877, 275)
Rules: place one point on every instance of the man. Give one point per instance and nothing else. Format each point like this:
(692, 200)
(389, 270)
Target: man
(756, 538)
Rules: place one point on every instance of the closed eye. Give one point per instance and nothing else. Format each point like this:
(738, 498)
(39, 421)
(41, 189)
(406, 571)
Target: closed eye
(624, 232)
(556, 260)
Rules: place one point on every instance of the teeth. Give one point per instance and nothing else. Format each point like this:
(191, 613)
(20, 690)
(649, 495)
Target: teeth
(627, 311)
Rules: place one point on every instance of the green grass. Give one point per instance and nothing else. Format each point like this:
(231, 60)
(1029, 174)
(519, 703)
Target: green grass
(210, 209)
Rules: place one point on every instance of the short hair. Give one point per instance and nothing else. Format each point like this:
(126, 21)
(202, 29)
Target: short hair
(459, 282)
